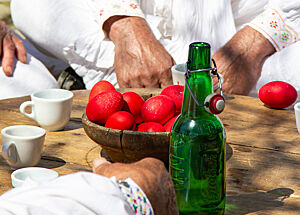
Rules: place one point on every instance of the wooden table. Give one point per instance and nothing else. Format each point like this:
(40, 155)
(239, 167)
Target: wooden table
(263, 152)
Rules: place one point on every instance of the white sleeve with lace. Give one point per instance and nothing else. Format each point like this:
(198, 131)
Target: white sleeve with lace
(279, 23)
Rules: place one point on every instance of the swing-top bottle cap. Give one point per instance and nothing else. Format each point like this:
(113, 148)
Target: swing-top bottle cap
(216, 103)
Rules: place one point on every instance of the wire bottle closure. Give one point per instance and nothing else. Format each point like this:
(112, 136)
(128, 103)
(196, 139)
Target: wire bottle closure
(213, 72)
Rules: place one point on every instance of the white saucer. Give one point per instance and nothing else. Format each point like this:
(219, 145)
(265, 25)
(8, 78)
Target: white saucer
(32, 174)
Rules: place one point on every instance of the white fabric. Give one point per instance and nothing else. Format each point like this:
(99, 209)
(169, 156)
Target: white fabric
(26, 79)
(77, 194)
(72, 30)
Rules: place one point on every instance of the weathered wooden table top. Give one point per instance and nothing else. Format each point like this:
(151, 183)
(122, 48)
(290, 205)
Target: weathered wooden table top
(263, 152)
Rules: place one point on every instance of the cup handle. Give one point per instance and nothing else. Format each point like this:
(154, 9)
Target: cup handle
(24, 105)
(218, 84)
(9, 152)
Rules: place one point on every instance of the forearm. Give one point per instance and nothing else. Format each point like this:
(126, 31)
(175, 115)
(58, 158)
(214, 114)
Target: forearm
(247, 44)
(240, 60)
(119, 28)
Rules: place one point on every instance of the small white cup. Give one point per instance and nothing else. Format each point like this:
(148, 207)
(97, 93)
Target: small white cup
(178, 75)
(22, 145)
(32, 175)
(297, 115)
(50, 108)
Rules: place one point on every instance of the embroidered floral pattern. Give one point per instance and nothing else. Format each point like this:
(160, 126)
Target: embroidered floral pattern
(136, 198)
(120, 7)
(117, 6)
(101, 12)
(285, 37)
(274, 28)
(273, 24)
(134, 6)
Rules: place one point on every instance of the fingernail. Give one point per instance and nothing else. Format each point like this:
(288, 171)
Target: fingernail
(24, 59)
(9, 70)
(98, 161)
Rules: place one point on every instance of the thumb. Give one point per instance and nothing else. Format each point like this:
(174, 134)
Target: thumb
(99, 163)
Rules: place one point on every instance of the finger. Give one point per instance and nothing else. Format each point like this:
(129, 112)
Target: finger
(166, 80)
(99, 164)
(3, 31)
(148, 162)
(8, 55)
(1, 45)
(137, 83)
(150, 81)
(122, 84)
(20, 49)
(152, 84)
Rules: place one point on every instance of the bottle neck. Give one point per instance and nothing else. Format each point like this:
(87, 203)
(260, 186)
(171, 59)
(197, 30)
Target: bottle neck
(200, 82)
(201, 85)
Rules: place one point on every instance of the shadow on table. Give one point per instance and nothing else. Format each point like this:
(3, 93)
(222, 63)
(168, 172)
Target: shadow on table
(229, 152)
(74, 123)
(51, 162)
(254, 202)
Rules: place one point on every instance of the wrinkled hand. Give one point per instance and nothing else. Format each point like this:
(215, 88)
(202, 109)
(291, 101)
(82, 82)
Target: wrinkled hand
(151, 176)
(140, 59)
(10, 45)
(240, 60)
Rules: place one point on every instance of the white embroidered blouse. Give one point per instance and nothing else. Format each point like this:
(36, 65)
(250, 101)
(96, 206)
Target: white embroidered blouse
(82, 43)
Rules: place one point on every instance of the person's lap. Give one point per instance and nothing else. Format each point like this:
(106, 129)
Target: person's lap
(26, 79)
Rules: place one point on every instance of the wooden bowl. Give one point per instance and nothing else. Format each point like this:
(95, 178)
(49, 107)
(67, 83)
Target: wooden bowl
(128, 146)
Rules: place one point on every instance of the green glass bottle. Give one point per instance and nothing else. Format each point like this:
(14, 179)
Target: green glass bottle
(197, 146)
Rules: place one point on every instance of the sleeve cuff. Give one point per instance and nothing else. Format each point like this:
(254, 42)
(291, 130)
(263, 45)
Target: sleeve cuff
(119, 8)
(136, 197)
(273, 26)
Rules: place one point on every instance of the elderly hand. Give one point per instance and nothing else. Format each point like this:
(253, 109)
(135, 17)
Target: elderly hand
(10, 45)
(150, 175)
(140, 59)
(240, 60)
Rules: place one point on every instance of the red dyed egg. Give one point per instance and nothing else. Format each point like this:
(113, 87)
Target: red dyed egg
(121, 120)
(158, 109)
(133, 104)
(175, 92)
(169, 124)
(99, 87)
(103, 105)
(277, 94)
(150, 127)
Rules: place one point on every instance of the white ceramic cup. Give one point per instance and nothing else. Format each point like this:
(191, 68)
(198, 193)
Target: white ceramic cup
(178, 73)
(50, 108)
(32, 175)
(297, 115)
(22, 145)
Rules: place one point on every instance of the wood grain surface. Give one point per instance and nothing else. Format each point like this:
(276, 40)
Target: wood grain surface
(263, 152)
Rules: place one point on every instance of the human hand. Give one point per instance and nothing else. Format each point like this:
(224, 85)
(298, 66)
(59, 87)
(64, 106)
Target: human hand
(150, 175)
(241, 59)
(10, 45)
(140, 59)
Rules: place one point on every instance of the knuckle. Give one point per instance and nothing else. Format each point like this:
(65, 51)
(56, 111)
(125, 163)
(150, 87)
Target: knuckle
(19, 43)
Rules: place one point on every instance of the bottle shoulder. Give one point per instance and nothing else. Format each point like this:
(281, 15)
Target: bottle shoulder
(209, 124)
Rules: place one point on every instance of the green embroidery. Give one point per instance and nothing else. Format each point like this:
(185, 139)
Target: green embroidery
(285, 37)
(116, 6)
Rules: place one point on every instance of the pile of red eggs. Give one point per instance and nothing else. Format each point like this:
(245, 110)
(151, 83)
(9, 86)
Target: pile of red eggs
(129, 111)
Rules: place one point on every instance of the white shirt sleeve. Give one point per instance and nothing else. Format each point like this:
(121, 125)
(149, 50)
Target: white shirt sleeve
(107, 9)
(279, 23)
(80, 193)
